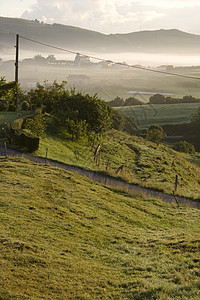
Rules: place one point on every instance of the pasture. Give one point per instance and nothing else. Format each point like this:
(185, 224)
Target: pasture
(9, 117)
(146, 115)
(66, 237)
(109, 83)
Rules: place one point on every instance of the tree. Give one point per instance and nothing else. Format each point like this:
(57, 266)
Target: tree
(45, 94)
(79, 107)
(157, 99)
(132, 101)
(7, 94)
(37, 125)
(51, 59)
(40, 59)
(185, 147)
(155, 133)
(189, 99)
(116, 102)
(76, 128)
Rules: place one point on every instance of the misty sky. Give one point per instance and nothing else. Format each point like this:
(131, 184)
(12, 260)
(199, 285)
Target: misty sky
(110, 16)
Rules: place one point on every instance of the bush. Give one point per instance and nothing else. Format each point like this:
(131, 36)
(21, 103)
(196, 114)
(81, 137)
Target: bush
(155, 133)
(24, 139)
(185, 147)
(37, 125)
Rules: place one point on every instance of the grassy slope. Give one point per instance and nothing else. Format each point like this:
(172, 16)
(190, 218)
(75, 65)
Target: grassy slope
(65, 237)
(147, 115)
(9, 117)
(146, 164)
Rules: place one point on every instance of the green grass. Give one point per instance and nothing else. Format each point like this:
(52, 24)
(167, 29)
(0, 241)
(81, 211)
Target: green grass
(9, 117)
(66, 237)
(146, 115)
(146, 164)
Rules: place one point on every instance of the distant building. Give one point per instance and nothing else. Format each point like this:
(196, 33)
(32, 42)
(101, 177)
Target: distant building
(81, 60)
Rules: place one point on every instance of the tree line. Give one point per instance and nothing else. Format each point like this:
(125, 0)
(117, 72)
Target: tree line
(154, 99)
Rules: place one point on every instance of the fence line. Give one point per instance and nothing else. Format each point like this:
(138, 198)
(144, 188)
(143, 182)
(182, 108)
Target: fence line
(103, 179)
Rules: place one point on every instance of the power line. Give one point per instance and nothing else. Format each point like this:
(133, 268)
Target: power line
(110, 61)
(104, 60)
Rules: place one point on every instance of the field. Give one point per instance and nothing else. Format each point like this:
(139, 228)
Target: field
(146, 115)
(9, 117)
(144, 163)
(112, 82)
(70, 238)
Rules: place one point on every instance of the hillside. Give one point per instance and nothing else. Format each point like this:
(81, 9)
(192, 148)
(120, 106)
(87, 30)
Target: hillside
(65, 237)
(74, 38)
(144, 163)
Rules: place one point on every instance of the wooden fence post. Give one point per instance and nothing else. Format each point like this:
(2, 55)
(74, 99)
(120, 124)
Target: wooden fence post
(175, 189)
(6, 152)
(176, 184)
(46, 156)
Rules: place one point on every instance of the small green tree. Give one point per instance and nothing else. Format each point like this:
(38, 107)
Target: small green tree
(155, 133)
(7, 94)
(184, 146)
(79, 107)
(157, 99)
(76, 128)
(45, 94)
(37, 125)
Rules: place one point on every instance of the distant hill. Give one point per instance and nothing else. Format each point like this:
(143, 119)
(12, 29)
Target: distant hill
(74, 38)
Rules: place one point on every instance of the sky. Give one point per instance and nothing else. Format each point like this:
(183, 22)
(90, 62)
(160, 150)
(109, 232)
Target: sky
(110, 16)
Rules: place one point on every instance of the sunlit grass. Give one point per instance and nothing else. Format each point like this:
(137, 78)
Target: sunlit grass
(146, 164)
(146, 115)
(66, 237)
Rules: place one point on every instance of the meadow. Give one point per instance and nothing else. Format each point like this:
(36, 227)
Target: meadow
(161, 114)
(147, 164)
(109, 83)
(65, 237)
(144, 163)
(9, 117)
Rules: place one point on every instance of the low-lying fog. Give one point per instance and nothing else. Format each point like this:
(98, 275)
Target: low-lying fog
(145, 59)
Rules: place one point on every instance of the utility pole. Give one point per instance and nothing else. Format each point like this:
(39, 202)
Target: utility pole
(17, 67)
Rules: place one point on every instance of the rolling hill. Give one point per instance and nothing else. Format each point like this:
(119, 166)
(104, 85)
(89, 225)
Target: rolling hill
(66, 237)
(171, 41)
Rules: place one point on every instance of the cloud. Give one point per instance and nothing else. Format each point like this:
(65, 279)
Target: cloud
(102, 15)
(170, 3)
(111, 16)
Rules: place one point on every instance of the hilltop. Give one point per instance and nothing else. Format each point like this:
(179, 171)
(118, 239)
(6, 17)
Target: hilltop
(68, 237)
(171, 41)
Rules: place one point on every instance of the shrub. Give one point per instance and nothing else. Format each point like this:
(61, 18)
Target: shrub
(23, 139)
(184, 146)
(155, 133)
(37, 125)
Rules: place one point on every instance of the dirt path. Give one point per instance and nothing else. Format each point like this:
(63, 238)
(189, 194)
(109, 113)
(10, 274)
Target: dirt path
(106, 180)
